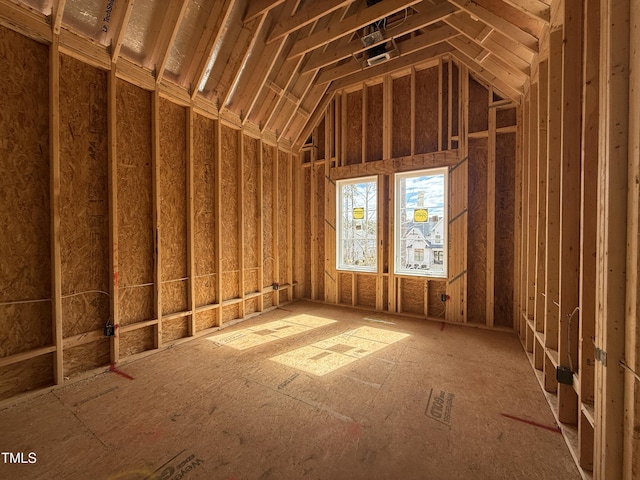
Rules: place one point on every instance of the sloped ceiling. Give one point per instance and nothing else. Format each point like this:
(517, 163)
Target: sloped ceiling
(272, 63)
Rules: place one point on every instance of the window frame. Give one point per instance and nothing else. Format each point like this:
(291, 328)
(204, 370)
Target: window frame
(397, 228)
(340, 265)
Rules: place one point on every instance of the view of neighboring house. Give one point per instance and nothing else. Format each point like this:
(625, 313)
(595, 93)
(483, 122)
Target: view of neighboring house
(424, 245)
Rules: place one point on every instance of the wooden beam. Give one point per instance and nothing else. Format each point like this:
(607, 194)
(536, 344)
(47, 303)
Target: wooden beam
(611, 250)
(423, 56)
(191, 242)
(534, 8)
(56, 262)
(259, 7)
(218, 217)
(349, 25)
(120, 29)
(509, 29)
(309, 14)
(491, 216)
(56, 15)
(156, 224)
(214, 31)
(26, 21)
(112, 152)
(170, 25)
(413, 23)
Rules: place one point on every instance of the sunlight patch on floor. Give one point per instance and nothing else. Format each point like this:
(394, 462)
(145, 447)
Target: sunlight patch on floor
(268, 332)
(332, 353)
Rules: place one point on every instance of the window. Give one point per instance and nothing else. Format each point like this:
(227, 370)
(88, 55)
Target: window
(357, 228)
(421, 223)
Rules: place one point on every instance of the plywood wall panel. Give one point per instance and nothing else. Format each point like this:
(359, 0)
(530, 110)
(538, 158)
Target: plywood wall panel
(28, 375)
(506, 117)
(366, 290)
(284, 197)
(174, 329)
(320, 140)
(445, 106)
(477, 228)
(230, 212)
(268, 204)
(135, 204)
(455, 94)
(505, 224)
(230, 312)
(413, 295)
(478, 106)
(136, 341)
(84, 198)
(251, 213)
(435, 305)
(353, 132)
(86, 357)
(375, 115)
(25, 217)
(206, 319)
(426, 110)
(345, 295)
(204, 210)
(401, 116)
(172, 189)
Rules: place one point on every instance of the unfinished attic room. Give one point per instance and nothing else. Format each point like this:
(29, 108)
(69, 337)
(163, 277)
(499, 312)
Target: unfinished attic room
(337, 239)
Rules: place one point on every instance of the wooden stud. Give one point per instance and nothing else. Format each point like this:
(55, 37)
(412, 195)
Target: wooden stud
(191, 266)
(157, 259)
(612, 238)
(218, 217)
(412, 113)
(241, 214)
(330, 273)
(56, 267)
(276, 228)
(260, 224)
(313, 214)
(541, 206)
(491, 215)
(113, 213)
(308, 14)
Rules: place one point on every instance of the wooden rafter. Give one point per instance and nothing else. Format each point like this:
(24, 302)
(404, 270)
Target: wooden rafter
(309, 14)
(533, 8)
(260, 7)
(414, 22)
(120, 27)
(349, 25)
(170, 25)
(57, 13)
(495, 21)
(214, 32)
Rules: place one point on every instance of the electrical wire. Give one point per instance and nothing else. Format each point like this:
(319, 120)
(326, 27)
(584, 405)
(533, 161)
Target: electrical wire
(570, 316)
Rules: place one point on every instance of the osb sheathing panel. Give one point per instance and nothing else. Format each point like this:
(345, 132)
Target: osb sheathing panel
(504, 237)
(366, 290)
(307, 219)
(174, 329)
(268, 204)
(413, 295)
(436, 289)
(250, 306)
(27, 375)
(206, 319)
(353, 140)
(25, 218)
(86, 357)
(321, 139)
(230, 213)
(135, 206)
(84, 201)
(251, 213)
(345, 293)
(401, 116)
(172, 189)
(375, 115)
(205, 210)
(426, 110)
(284, 296)
(267, 300)
(478, 107)
(505, 117)
(230, 312)
(136, 341)
(251, 280)
(284, 195)
(477, 228)
(320, 256)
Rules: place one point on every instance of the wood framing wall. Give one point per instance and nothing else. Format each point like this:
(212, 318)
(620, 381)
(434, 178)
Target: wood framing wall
(577, 231)
(122, 207)
(431, 116)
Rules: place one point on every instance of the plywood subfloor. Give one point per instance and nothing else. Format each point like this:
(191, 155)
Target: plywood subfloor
(430, 404)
